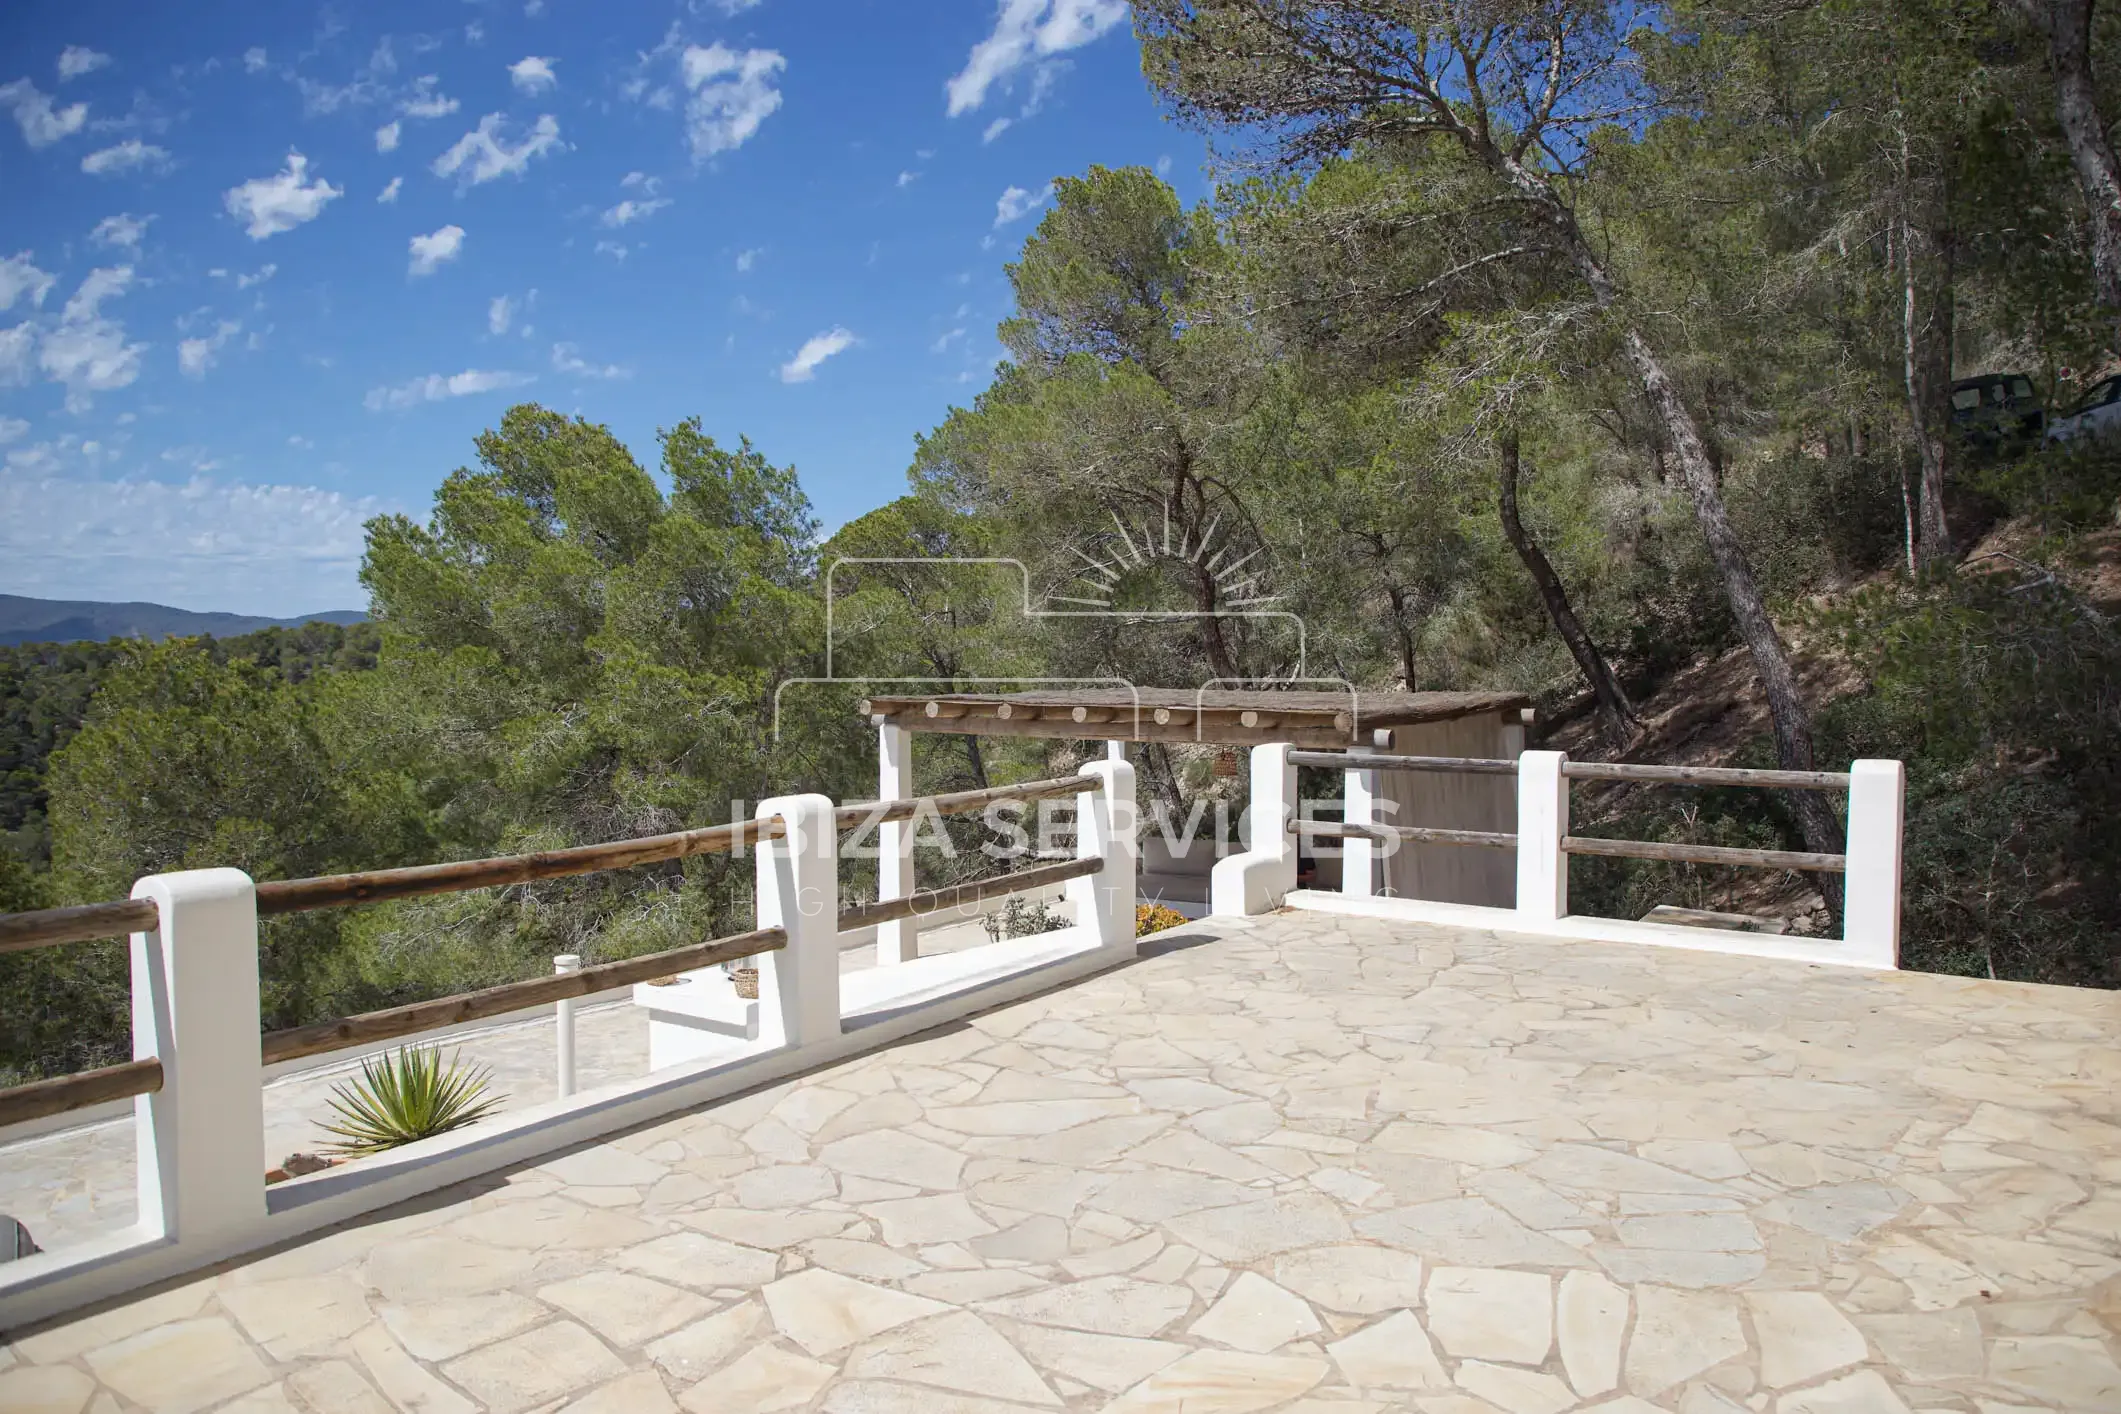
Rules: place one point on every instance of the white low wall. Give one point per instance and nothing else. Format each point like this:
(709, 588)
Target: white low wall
(203, 1196)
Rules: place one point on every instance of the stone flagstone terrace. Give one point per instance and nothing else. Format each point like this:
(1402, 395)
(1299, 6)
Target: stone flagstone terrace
(1298, 1162)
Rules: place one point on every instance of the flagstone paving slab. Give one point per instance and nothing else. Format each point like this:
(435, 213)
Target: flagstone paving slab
(1306, 1164)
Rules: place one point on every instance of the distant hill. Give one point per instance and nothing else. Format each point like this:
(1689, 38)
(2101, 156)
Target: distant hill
(24, 620)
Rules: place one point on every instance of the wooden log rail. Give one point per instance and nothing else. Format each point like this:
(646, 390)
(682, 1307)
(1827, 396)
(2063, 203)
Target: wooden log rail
(867, 814)
(1346, 761)
(41, 1099)
(1705, 854)
(1704, 775)
(48, 927)
(1418, 834)
(52, 926)
(1585, 770)
(415, 1017)
(939, 900)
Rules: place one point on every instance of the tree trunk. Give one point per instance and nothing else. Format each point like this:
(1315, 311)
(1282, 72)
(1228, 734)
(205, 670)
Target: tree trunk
(1398, 597)
(1793, 722)
(2068, 27)
(1614, 709)
(1926, 341)
(1771, 660)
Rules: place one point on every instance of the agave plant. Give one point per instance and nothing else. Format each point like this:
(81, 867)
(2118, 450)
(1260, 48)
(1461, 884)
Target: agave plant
(405, 1095)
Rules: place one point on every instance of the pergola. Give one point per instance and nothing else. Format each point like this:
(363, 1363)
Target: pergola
(1271, 722)
(1211, 716)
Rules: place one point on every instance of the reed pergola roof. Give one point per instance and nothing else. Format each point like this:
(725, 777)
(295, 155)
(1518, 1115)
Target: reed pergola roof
(1220, 717)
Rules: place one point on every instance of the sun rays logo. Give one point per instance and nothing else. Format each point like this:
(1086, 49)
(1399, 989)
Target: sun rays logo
(1235, 589)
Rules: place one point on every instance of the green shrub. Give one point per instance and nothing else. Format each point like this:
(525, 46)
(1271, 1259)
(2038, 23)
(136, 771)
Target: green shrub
(408, 1095)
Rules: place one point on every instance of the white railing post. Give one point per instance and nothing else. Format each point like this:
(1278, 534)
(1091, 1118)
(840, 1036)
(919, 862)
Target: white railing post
(563, 1021)
(1258, 879)
(1358, 857)
(1542, 823)
(799, 891)
(1105, 829)
(1870, 906)
(898, 940)
(201, 1162)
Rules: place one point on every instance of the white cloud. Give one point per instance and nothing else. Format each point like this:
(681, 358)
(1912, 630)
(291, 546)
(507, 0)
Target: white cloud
(533, 75)
(732, 94)
(389, 194)
(387, 136)
(11, 429)
(613, 249)
(124, 157)
(86, 351)
(102, 283)
(736, 7)
(254, 60)
(629, 211)
(1163, 165)
(256, 277)
(995, 129)
(76, 60)
(1025, 31)
(745, 259)
(641, 181)
(1016, 203)
(195, 356)
(425, 102)
(942, 345)
(819, 347)
(41, 124)
(567, 358)
(430, 251)
(482, 155)
(282, 202)
(907, 179)
(18, 345)
(500, 314)
(20, 276)
(218, 545)
(124, 229)
(436, 387)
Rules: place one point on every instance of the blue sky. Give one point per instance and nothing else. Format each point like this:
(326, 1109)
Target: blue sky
(266, 271)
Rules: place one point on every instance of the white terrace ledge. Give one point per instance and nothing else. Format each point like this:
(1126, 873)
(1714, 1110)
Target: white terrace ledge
(1302, 1160)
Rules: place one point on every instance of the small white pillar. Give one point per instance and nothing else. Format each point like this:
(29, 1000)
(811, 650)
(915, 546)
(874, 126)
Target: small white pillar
(1358, 857)
(898, 940)
(1258, 879)
(563, 1021)
(1105, 829)
(798, 890)
(1542, 822)
(1870, 907)
(201, 1167)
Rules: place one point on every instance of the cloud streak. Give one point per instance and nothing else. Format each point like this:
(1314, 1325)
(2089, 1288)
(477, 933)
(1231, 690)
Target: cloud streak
(819, 347)
(533, 75)
(1026, 31)
(126, 156)
(1016, 203)
(439, 387)
(431, 251)
(256, 548)
(41, 123)
(271, 205)
(732, 94)
(484, 154)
